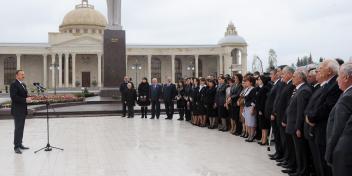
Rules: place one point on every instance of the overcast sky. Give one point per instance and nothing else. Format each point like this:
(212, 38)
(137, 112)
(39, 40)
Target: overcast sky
(292, 28)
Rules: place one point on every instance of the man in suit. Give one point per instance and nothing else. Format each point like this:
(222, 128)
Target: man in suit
(289, 160)
(123, 89)
(169, 94)
(155, 96)
(317, 113)
(269, 105)
(19, 99)
(337, 121)
(294, 120)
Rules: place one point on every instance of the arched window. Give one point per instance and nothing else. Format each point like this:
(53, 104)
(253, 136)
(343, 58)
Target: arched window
(200, 68)
(156, 68)
(178, 69)
(235, 56)
(9, 70)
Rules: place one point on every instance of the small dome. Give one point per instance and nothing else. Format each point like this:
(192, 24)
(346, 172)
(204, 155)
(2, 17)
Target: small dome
(232, 37)
(84, 15)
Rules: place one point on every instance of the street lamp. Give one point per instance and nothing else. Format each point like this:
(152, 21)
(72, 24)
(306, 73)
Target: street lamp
(136, 67)
(54, 67)
(191, 68)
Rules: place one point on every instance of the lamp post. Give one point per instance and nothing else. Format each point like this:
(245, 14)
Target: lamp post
(54, 67)
(136, 67)
(191, 68)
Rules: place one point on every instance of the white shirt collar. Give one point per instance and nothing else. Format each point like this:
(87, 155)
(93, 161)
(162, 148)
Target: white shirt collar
(288, 82)
(19, 81)
(348, 89)
(299, 85)
(276, 81)
(327, 81)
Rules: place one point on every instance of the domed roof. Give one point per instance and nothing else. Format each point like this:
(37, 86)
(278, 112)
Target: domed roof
(231, 37)
(84, 14)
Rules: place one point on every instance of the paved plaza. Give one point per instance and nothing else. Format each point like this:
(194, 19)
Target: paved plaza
(115, 146)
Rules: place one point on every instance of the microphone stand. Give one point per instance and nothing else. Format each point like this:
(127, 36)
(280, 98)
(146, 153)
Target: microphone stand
(48, 147)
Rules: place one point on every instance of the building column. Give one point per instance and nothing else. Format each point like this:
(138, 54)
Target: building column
(196, 65)
(173, 69)
(67, 55)
(45, 70)
(53, 70)
(18, 57)
(60, 69)
(221, 65)
(73, 69)
(99, 70)
(150, 68)
(244, 61)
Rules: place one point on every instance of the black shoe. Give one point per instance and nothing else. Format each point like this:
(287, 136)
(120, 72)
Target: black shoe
(23, 147)
(157, 117)
(123, 116)
(295, 174)
(18, 151)
(288, 171)
(169, 118)
(282, 164)
(280, 160)
(180, 119)
(249, 140)
(272, 155)
(152, 118)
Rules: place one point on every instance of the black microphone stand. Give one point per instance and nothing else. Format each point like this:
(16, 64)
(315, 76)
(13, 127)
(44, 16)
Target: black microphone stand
(48, 147)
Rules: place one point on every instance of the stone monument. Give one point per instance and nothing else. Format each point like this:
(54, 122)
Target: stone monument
(114, 51)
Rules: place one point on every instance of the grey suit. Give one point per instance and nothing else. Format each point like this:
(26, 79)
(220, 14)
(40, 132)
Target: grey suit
(338, 118)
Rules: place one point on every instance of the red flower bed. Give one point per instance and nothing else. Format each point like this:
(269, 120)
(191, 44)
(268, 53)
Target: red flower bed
(54, 99)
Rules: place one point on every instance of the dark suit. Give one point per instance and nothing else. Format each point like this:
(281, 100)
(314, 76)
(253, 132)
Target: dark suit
(342, 156)
(169, 94)
(318, 113)
(269, 106)
(338, 118)
(123, 89)
(220, 99)
(276, 127)
(18, 93)
(155, 95)
(281, 104)
(295, 122)
(235, 109)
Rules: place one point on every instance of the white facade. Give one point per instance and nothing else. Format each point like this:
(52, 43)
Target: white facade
(78, 51)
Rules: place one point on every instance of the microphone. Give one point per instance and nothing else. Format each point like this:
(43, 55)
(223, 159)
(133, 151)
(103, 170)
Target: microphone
(39, 86)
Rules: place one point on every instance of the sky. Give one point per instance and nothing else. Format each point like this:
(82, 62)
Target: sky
(292, 28)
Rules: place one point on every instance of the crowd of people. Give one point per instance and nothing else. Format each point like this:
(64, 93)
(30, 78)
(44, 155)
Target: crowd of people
(308, 111)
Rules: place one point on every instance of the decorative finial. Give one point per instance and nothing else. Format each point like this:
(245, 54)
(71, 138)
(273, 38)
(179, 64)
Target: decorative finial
(231, 29)
(84, 4)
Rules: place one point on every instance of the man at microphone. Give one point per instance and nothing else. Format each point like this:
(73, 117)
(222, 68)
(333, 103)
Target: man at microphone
(19, 100)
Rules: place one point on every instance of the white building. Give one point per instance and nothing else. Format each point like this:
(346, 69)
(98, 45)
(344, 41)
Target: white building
(77, 49)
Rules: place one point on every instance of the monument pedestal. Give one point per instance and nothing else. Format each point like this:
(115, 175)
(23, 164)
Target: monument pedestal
(114, 62)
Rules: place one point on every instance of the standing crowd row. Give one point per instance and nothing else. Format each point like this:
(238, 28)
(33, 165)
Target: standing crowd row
(308, 111)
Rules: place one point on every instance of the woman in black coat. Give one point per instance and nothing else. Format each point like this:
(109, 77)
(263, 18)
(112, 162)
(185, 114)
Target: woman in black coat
(210, 103)
(181, 101)
(143, 97)
(195, 101)
(130, 99)
(201, 101)
(260, 99)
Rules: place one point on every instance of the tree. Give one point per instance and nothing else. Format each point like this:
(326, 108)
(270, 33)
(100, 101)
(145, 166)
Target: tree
(299, 62)
(310, 59)
(272, 59)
